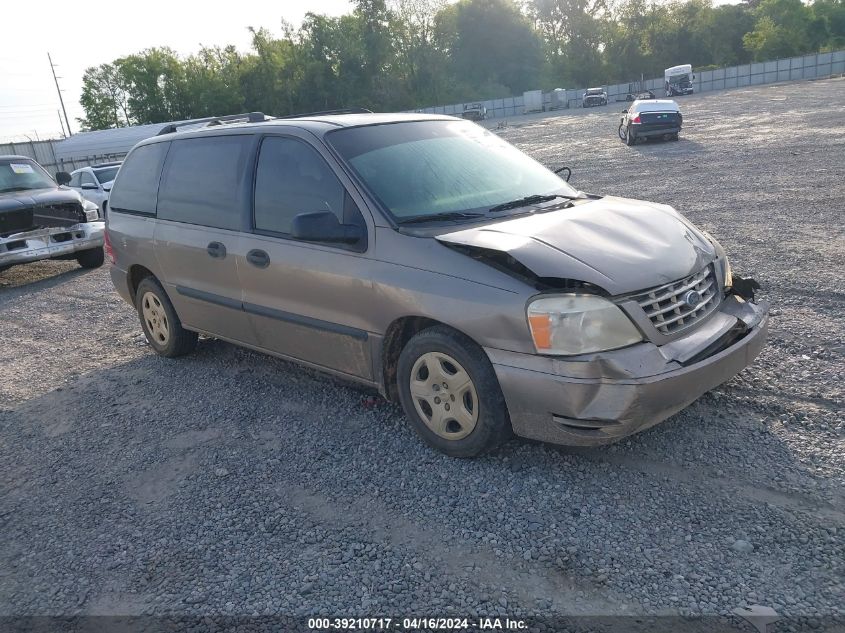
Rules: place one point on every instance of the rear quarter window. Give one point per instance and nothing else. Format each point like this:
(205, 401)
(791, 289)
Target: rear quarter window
(202, 181)
(137, 183)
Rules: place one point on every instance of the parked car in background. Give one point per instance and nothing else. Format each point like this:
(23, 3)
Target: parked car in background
(94, 183)
(646, 94)
(474, 112)
(594, 97)
(40, 219)
(651, 118)
(678, 80)
(426, 257)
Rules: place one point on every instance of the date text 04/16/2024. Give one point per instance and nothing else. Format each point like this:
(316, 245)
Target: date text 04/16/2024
(416, 624)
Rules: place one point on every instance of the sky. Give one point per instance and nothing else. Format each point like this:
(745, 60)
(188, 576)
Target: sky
(79, 36)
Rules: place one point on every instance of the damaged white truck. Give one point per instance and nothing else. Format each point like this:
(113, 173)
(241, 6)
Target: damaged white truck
(42, 219)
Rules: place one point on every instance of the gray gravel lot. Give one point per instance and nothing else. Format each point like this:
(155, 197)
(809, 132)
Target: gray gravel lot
(232, 483)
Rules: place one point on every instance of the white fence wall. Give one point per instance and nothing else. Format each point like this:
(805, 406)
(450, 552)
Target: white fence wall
(815, 66)
(44, 153)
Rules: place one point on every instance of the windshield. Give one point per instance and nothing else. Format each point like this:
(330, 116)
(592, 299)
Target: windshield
(22, 174)
(423, 168)
(679, 79)
(595, 91)
(106, 174)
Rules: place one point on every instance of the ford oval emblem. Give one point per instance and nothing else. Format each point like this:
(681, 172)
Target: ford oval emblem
(692, 298)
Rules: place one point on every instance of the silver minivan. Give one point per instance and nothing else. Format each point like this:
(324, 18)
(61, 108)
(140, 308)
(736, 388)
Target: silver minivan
(429, 259)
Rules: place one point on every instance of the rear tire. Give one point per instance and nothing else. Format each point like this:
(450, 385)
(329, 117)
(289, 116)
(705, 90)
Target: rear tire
(92, 258)
(630, 139)
(160, 322)
(450, 393)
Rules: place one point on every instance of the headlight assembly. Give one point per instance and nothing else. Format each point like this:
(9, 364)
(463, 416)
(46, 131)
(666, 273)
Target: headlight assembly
(92, 211)
(578, 324)
(729, 276)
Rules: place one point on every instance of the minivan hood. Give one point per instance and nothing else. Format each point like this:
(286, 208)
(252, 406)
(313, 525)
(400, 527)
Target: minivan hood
(617, 244)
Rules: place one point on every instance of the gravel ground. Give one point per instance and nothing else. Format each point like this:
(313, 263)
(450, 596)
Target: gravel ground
(232, 483)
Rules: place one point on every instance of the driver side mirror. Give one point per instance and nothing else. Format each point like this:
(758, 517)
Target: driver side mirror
(62, 177)
(323, 226)
(625, 111)
(567, 170)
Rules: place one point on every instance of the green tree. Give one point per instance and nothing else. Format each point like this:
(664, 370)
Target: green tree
(784, 28)
(104, 98)
(156, 85)
(212, 79)
(492, 45)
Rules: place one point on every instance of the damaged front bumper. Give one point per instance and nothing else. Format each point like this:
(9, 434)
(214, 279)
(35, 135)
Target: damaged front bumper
(600, 398)
(50, 243)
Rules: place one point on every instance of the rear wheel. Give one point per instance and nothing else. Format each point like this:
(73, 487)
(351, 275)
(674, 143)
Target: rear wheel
(92, 258)
(630, 139)
(450, 393)
(160, 323)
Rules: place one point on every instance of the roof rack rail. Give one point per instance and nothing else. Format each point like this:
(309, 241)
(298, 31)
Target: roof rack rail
(248, 117)
(327, 112)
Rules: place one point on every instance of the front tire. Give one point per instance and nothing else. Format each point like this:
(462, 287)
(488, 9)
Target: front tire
(92, 258)
(450, 393)
(160, 322)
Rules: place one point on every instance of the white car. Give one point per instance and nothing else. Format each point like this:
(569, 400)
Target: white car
(94, 183)
(594, 97)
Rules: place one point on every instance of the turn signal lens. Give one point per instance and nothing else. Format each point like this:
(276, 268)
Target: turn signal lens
(541, 330)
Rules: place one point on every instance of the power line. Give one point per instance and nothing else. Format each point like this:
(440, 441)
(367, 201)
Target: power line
(19, 106)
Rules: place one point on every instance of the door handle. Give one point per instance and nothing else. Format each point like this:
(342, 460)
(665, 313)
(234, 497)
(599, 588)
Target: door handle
(258, 258)
(216, 250)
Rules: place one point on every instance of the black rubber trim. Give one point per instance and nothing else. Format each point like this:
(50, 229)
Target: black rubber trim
(210, 298)
(298, 319)
(146, 214)
(272, 313)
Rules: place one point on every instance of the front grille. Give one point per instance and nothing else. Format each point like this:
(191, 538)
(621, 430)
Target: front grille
(667, 306)
(61, 214)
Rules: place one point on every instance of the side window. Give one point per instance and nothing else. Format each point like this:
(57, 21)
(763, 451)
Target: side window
(292, 178)
(137, 183)
(202, 181)
(86, 178)
(75, 180)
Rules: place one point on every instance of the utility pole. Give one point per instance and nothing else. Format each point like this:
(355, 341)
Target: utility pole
(61, 124)
(62, 101)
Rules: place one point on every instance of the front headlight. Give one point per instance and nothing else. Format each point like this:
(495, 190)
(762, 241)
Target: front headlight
(729, 276)
(92, 211)
(578, 324)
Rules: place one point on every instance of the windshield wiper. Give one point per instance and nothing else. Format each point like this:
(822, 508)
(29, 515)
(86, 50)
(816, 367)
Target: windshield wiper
(528, 200)
(448, 215)
(8, 189)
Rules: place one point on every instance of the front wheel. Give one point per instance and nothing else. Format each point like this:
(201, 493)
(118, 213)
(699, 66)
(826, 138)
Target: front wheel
(92, 258)
(450, 393)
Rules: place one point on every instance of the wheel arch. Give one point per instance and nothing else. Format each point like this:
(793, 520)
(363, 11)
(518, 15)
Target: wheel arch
(136, 274)
(397, 335)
